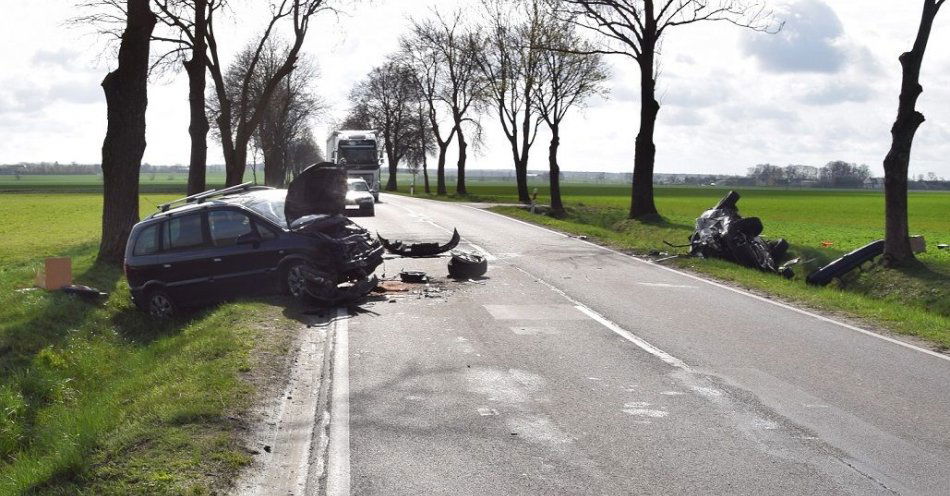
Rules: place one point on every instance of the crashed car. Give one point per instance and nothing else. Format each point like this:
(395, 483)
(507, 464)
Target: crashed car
(358, 195)
(722, 233)
(251, 239)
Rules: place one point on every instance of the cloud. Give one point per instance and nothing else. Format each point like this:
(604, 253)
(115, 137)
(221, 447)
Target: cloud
(834, 93)
(63, 58)
(812, 40)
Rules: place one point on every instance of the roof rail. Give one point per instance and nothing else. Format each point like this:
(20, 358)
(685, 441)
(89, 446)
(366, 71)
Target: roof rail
(211, 193)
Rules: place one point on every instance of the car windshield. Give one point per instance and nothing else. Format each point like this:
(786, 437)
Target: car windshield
(358, 186)
(269, 204)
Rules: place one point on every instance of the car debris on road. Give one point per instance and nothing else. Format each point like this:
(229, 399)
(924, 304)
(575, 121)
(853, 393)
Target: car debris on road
(418, 250)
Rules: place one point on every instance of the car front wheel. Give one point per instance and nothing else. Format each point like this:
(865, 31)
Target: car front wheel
(161, 305)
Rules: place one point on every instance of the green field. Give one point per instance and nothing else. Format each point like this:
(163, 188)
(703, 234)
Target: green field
(81, 183)
(914, 300)
(100, 399)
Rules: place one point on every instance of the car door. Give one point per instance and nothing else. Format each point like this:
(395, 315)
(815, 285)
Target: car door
(245, 253)
(186, 259)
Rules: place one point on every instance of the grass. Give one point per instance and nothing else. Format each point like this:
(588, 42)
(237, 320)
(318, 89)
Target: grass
(100, 399)
(913, 301)
(89, 183)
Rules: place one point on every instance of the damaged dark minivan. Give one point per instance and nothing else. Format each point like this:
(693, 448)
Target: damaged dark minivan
(251, 239)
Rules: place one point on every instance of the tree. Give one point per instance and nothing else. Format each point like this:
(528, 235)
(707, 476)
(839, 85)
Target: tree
(423, 56)
(191, 20)
(568, 77)
(304, 151)
(448, 43)
(126, 91)
(635, 28)
(421, 142)
(897, 250)
(510, 63)
(388, 99)
(238, 117)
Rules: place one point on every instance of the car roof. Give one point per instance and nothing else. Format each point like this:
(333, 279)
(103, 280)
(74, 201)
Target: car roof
(234, 199)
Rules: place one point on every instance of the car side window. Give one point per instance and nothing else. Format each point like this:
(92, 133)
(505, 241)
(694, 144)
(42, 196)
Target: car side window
(265, 231)
(184, 232)
(227, 226)
(147, 242)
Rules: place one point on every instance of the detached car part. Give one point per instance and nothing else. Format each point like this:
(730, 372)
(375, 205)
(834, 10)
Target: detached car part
(419, 249)
(464, 265)
(846, 263)
(722, 233)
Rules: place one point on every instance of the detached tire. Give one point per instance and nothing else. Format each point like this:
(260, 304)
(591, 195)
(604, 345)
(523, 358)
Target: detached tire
(467, 266)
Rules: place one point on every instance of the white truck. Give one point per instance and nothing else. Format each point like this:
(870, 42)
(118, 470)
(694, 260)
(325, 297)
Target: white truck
(359, 153)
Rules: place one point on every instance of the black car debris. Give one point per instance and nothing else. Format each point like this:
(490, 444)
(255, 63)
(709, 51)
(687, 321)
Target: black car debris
(722, 233)
(251, 239)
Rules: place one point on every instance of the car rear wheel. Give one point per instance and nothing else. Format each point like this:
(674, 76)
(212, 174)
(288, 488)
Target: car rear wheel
(160, 305)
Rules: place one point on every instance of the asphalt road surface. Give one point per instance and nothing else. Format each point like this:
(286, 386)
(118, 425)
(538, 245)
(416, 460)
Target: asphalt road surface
(572, 369)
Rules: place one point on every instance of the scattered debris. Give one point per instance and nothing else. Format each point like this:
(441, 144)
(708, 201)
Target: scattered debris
(419, 249)
(467, 265)
(943, 246)
(84, 292)
(827, 244)
(918, 244)
(722, 233)
(846, 263)
(413, 276)
(392, 287)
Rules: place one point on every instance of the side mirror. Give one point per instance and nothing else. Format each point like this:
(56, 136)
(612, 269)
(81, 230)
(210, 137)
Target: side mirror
(251, 238)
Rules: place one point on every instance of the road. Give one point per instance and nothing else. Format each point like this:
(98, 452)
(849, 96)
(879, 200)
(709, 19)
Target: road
(573, 369)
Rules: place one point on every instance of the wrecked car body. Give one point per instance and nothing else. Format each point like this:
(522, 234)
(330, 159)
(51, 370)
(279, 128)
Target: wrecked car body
(722, 233)
(248, 239)
(420, 249)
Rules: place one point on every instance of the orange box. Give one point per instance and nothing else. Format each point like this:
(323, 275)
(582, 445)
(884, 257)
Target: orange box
(56, 273)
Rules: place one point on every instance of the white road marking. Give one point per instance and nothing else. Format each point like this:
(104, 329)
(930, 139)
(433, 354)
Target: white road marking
(338, 454)
(662, 285)
(729, 288)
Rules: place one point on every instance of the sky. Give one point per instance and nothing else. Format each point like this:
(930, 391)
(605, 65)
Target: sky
(824, 88)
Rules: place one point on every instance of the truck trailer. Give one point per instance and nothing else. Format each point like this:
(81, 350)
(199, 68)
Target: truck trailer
(359, 153)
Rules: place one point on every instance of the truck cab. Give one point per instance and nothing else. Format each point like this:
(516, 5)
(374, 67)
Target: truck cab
(358, 152)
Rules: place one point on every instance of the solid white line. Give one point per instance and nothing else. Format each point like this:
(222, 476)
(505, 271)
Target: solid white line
(728, 288)
(338, 454)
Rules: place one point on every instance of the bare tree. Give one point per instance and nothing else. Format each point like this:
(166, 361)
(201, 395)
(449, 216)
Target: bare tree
(635, 28)
(286, 117)
(189, 20)
(450, 49)
(126, 91)
(568, 77)
(424, 58)
(388, 99)
(897, 248)
(510, 63)
(238, 118)
(421, 140)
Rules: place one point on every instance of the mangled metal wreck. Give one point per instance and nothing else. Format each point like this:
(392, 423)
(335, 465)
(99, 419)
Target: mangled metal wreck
(722, 233)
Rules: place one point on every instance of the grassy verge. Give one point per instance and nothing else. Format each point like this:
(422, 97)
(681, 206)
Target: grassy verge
(820, 225)
(100, 399)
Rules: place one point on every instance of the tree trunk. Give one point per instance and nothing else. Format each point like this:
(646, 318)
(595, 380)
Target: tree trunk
(234, 173)
(393, 165)
(897, 248)
(275, 169)
(641, 201)
(126, 91)
(555, 171)
(440, 170)
(425, 173)
(198, 126)
(463, 157)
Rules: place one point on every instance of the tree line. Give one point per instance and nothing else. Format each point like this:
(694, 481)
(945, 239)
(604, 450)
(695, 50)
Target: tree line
(525, 63)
